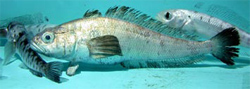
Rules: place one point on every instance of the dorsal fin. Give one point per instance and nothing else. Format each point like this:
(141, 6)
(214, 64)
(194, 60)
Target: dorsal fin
(136, 17)
(92, 13)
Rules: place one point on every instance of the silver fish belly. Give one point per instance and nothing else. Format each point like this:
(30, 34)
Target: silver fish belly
(114, 39)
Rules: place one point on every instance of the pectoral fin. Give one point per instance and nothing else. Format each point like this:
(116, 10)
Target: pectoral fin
(104, 46)
(9, 51)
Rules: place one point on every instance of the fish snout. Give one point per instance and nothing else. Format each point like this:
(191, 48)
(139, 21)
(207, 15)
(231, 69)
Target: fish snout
(37, 48)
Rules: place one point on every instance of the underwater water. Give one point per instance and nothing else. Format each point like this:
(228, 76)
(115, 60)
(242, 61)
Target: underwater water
(208, 74)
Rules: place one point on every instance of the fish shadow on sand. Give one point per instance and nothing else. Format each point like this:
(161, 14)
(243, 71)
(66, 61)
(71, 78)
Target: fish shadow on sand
(96, 67)
(239, 63)
(214, 65)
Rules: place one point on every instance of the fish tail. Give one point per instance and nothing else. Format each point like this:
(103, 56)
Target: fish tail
(54, 71)
(224, 45)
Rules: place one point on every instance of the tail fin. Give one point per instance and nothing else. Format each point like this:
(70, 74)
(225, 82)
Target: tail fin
(224, 42)
(54, 71)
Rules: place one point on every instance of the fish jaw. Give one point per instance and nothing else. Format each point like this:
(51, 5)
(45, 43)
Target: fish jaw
(37, 48)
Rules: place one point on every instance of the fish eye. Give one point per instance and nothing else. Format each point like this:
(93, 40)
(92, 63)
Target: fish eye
(168, 16)
(48, 37)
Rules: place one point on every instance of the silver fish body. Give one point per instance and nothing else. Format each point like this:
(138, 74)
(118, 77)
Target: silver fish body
(19, 42)
(200, 24)
(114, 39)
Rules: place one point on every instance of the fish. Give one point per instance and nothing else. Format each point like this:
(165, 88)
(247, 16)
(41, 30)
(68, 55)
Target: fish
(31, 31)
(27, 19)
(125, 34)
(226, 14)
(199, 24)
(19, 43)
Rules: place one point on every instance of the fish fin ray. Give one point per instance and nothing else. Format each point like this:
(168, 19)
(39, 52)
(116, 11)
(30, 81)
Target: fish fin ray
(104, 46)
(54, 71)
(92, 13)
(225, 41)
(134, 16)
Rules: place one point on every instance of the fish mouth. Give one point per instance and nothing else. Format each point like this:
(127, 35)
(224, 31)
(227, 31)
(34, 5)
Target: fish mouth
(35, 47)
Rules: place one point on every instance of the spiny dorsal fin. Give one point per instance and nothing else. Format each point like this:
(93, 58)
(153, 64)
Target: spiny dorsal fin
(104, 46)
(136, 17)
(92, 13)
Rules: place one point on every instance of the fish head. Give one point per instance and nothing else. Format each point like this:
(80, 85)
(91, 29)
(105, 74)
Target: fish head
(55, 42)
(13, 31)
(173, 18)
